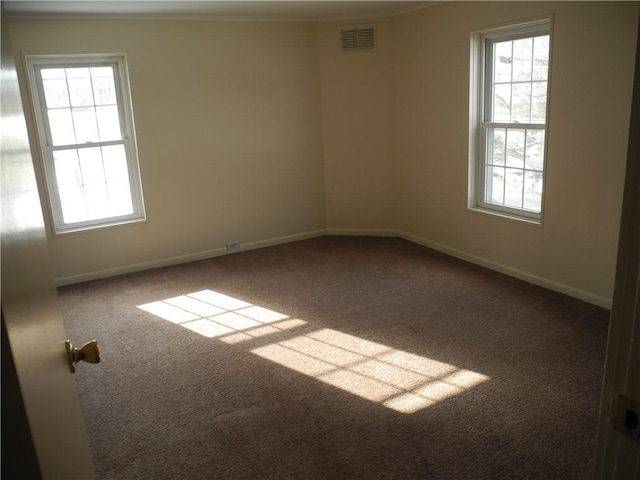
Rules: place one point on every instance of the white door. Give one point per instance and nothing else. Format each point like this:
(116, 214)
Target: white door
(30, 310)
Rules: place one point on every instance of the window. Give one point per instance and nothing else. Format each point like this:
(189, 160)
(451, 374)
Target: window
(510, 79)
(85, 126)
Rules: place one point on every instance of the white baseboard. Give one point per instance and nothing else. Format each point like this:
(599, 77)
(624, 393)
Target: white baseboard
(190, 257)
(513, 272)
(365, 232)
(280, 240)
(379, 232)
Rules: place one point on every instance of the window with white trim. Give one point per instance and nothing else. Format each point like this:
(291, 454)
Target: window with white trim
(509, 99)
(85, 127)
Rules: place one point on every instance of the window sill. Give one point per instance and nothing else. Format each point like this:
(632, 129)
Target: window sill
(93, 228)
(534, 222)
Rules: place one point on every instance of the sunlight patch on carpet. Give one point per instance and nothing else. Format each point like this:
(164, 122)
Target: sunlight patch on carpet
(398, 380)
(215, 315)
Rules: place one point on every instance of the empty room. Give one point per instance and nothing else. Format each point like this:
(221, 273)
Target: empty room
(315, 240)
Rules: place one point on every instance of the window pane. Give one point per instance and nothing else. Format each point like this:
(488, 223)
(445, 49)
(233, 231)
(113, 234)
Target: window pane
(84, 120)
(80, 92)
(55, 93)
(502, 62)
(502, 103)
(115, 163)
(61, 126)
(522, 56)
(521, 103)
(77, 72)
(104, 91)
(513, 187)
(494, 183)
(50, 73)
(98, 72)
(120, 198)
(67, 168)
(533, 191)
(539, 100)
(515, 148)
(91, 165)
(540, 57)
(108, 123)
(73, 205)
(97, 201)
(498, 138)
(534, 159)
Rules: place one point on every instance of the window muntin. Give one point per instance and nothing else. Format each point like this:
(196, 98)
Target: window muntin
(512, 76)
(86, 132)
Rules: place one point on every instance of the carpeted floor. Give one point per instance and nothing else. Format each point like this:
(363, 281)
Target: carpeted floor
(337, 358)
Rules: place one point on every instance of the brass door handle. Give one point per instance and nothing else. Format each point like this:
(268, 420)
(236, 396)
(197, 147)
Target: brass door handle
(89, 352)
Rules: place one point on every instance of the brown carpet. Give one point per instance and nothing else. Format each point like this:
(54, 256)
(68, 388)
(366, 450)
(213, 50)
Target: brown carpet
(375, 359)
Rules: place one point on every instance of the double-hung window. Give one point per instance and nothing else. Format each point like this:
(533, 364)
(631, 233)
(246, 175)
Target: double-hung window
(86, 132)
(509, 98)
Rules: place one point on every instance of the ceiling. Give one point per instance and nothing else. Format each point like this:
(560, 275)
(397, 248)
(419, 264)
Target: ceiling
(292, 10)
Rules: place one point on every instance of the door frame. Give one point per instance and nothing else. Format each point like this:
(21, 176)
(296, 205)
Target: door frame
(618, 456)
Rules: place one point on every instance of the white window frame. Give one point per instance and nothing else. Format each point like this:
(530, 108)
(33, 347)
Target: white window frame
(34, 63)
(481, 81)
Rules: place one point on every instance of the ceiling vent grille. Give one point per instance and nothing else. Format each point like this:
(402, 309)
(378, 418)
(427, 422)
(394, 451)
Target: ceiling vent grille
(357, 38)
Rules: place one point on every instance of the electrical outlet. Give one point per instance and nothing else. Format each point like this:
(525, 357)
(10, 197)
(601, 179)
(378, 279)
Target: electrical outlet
(235, 245)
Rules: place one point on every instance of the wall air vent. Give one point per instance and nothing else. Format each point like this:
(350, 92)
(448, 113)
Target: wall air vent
(357, 38)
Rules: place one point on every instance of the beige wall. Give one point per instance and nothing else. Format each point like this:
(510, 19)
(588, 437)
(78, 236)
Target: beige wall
(358, 122)
(229, 135)
(266, 132)
(592, 70)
